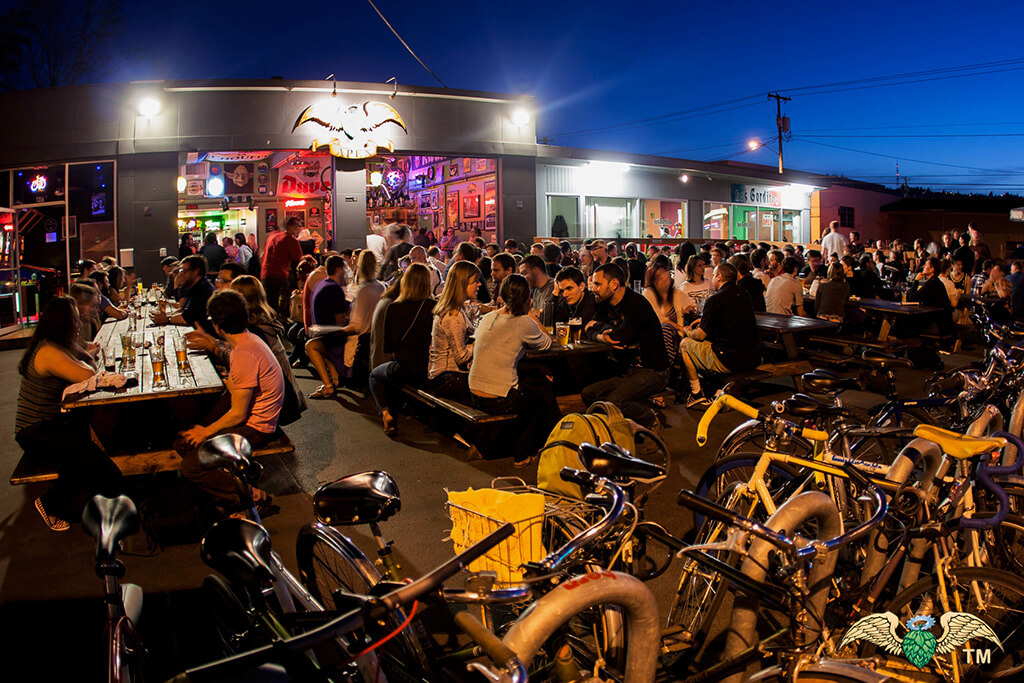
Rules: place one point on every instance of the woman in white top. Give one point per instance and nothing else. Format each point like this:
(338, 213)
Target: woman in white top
(450, 347)
(496, 386)
(695, 286)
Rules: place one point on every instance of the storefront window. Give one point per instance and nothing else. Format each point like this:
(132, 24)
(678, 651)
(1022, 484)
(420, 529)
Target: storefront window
(568, 210)
(716, 221)
(744, 222)
(611, 217)
(792, 227)
(662, 218)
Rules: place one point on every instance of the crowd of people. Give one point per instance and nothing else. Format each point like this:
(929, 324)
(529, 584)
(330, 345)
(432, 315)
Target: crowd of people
(456, 318)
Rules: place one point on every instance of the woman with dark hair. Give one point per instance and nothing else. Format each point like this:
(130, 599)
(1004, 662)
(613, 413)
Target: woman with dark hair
(667, 302)
(832, 295)
(406, 338)
(105, 307)
(502, 337)
(117, 280)
(51, 363)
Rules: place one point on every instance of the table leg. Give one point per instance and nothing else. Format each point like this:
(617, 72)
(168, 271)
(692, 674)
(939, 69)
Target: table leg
(789, 344)
(883, 331)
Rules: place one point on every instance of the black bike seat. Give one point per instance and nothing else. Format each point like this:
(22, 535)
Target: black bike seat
(802, 405)
(108, 520)
(827, 382)
(885, 361)
(226, 450)
(240, 550)
(357, 499)
(613, 462)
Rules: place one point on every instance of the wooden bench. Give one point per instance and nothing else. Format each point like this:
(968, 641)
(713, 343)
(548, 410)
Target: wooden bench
(855, 342)
(819, 357)
(573, 403)
(766, 371)
(135, 464)
(467, 413)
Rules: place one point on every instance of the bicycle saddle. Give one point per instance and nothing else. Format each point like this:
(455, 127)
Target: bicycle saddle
(955, 445)
(108, 520)
(885, 361)
(614, 462)
(802, 405)
(357, 499)
(226, 450)
(827, 382)
(240, 550)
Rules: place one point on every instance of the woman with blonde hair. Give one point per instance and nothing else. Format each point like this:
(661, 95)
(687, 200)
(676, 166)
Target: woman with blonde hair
(364, 301)
(450, 348)
(407, 332)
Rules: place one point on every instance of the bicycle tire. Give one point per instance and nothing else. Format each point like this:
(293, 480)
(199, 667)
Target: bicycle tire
(127, 655)
(738, 468)
(750, 439)
(229, 617)
(341, 566)
(1005, 594)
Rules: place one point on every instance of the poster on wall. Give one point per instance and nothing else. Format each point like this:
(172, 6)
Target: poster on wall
(271, 219)
(491, 223)
(453, 207)
(300, 216)
(471, 207)
(481, 165)
(490, 199)
(238, 179)
(467, 166)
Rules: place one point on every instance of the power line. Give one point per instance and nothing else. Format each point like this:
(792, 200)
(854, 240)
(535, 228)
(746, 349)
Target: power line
(916, 125)
(898, 158)
(665, 118)
(920, 135)
(402, 41)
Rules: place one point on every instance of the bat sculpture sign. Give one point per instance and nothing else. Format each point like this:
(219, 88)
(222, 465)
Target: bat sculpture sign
(353, 131)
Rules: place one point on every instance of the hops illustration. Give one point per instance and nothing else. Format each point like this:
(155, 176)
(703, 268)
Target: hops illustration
(920, 644)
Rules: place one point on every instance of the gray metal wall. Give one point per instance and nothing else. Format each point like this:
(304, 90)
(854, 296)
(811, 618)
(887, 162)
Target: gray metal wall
(147, 209)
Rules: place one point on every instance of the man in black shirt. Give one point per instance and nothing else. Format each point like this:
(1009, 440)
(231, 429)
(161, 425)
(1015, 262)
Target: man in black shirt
(932, 292)
(623, 318)
(725, 339)
(753, 286)
(575, 301)
(814, 269)
(965, 255)
(193, 286)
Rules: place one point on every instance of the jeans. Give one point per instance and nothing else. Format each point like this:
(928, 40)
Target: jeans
(453, 385)
(83, 470)
(297, 336)
(535, 403)
(629, 392)
(385, 381)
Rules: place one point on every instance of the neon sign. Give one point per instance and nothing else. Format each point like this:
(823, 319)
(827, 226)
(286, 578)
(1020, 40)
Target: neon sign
(294, 202)
(38, 183)
(350, 131)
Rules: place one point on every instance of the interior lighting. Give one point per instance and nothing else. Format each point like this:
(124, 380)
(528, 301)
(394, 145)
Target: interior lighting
(684, 178)
(182, 184)
(149, 106)
(520, 117)
(608, 166)
(215, 186)
(376, 178)
(294, 202)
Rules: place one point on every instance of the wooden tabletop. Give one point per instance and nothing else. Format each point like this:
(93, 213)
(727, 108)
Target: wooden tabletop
(894, 307)
(571, 350)
(200, 377)
(779, 322)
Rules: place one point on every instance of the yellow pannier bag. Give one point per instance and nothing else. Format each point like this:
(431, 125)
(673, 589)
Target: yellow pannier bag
(477, 512)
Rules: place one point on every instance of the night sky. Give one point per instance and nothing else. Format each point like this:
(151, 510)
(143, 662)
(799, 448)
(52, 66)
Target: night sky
(599, 64)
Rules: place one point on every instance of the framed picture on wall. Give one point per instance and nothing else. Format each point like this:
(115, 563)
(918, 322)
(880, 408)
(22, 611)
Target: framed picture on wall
(471, 206)
(452, 205)
(453, 169)
(271, 219)
(467, 165)
(491, 223)
(481, 165)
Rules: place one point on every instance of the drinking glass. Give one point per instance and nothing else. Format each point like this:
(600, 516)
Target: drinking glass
(158, 361)
(575, 329)
(181, 354)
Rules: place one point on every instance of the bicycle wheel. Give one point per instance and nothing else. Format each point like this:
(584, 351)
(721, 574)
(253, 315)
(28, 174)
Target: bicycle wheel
(231, 621)
(750, 439)
(127, 656)
(1001, 606)
(725, 474)
(328, 561)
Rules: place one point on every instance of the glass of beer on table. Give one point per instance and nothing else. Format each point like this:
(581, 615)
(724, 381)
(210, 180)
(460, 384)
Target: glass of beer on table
(158, 361)
(181, 353)
(575, 330)
(562, 334)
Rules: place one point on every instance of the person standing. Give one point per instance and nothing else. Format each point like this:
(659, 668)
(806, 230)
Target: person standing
(280, 255)
(965, 254)
(401, 246)
(833, 242)
(377, 243)
(623, 318)
(244, 251)
(213, 252)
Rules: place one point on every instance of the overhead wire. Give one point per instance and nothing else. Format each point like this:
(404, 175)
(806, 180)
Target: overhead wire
(890, 156)
(402, 41)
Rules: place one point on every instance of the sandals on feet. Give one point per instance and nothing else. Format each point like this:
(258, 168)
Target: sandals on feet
(323, 391)
(390, 424)
(52, 523)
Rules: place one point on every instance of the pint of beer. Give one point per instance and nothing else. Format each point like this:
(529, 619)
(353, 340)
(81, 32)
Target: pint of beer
(575, 329)
(562, 334)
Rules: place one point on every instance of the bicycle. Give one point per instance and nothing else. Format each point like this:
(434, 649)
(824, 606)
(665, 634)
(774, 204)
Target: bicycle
(109, 521)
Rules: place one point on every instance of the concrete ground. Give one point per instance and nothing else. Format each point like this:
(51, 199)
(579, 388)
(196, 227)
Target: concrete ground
(48, 589)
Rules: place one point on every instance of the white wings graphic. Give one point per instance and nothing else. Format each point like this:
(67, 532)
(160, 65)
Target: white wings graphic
(958, 628)
(879, 629)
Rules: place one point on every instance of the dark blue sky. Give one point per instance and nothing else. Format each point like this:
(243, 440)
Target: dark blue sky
(601, 63)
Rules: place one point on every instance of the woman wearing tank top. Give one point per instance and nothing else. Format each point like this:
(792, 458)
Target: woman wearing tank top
(53, 361)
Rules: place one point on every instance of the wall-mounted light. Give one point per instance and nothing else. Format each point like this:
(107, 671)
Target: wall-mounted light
(149, 106)
(520, 117)
(215, 186)
(684, 178)
(182, 184)
(376, 178)
(608, 166)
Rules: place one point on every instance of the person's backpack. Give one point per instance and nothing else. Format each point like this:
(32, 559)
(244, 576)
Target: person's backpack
(253, 266)
(602, 422)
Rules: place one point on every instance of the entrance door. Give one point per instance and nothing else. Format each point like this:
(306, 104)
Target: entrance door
(11, 289)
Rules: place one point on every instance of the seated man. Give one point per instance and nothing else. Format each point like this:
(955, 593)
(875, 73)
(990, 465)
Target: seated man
(725, 339)
(622, 318)
(170, 266)
(229, 270)
(785, 293)
(541, 286)
(575, 301)
(330, 308)
(256, 389)
(815, 269)
(195, 289)
(932, 292)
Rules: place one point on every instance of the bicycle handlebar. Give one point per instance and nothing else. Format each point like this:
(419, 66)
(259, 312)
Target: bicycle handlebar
(586, 479)
(713, 510)
(350, 621)
(983, 473)
(724, 399)
(497, 651)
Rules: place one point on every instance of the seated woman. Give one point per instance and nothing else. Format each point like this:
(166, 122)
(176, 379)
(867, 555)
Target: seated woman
(105, 308)
(256, 393)
(117, 280)
(52, 362)
(496, 386)
(367, 294)
(406, 335)
(450, 348)
(667, 302)
(694, 286)
(830, 300)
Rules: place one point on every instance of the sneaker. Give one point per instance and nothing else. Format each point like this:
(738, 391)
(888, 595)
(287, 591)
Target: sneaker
(698, 400)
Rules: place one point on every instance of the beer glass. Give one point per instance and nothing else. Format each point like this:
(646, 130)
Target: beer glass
(157, 360)
(181, 354)
(575, 329)
(562, 334)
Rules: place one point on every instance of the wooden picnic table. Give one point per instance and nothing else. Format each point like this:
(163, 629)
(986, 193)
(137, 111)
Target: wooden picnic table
(891, 310)
(786, 327)
(200, 378)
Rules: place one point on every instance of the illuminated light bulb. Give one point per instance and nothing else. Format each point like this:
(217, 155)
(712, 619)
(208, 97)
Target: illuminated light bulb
(182, 184)
(520, 117)
(215, 186)
(684, 178)
(149, 106)
(376, 178)
(753, 144)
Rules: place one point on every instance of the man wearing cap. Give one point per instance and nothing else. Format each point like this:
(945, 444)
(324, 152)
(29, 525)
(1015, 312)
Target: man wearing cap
(599, 250)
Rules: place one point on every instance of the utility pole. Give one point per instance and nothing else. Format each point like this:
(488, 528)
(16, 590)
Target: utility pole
(781, 122)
